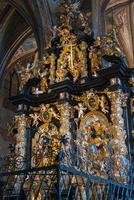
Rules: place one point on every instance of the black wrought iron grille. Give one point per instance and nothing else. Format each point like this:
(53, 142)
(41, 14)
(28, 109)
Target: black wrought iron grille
(61, 183)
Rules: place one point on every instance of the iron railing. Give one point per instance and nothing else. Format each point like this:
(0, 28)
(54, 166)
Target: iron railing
(60, 182)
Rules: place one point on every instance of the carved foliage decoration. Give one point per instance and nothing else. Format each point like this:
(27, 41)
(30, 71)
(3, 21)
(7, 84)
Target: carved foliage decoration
(73, 53)
(101, 135)
(51, 135)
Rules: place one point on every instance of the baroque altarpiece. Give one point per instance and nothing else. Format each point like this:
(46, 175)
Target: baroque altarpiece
(73, 124)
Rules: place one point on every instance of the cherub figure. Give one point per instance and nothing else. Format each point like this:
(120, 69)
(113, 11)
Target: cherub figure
(47, 60)
(25, 74)
(104, 104)
(36, 118)
(61, 73)
(90, 95)
(43, 75)
(81, 109)
(44, 84)
(54, 114)
(43, 108)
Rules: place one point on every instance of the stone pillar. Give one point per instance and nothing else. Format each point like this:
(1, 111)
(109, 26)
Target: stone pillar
(20, 150)
(21, 142)
(95, 17)
(131, 122)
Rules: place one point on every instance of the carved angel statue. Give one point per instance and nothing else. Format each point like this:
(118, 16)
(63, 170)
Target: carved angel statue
(43, 107)
(44, 85)
(61, 73)
(47, 60)
(81, 109)
(44, 79)
(25, 74)
(54, 114)
(90, 94)
(104, 104)
(36, 118)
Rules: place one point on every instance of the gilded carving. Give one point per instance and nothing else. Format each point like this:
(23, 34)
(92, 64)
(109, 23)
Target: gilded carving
(50, 142)
(102, 141)
(71, 57)
(96, 117)
(92, 101)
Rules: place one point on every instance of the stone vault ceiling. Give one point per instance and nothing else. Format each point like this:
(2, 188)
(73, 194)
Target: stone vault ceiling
(115, 2)
(121, 14)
